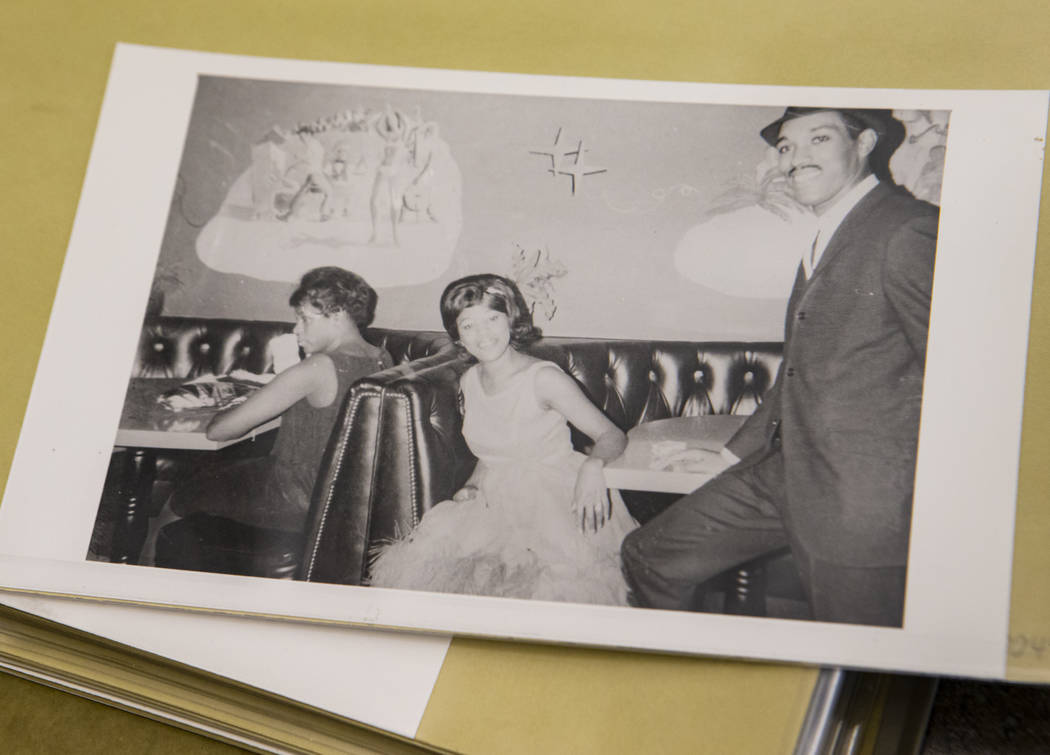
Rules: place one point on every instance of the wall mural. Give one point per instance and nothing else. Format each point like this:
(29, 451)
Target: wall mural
(350, 189)
(918, 164)
(756, 224)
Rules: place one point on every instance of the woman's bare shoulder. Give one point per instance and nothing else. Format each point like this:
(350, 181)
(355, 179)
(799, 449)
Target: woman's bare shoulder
(315, 364)
(550, 379)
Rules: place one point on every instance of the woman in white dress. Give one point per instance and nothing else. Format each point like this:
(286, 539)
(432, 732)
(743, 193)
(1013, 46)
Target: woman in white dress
(535, 519)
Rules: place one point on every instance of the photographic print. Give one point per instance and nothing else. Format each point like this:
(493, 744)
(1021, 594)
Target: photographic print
(633, 364)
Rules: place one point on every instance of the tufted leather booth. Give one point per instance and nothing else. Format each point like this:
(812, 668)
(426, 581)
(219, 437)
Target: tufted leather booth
(398, 448)
(185, 348)
(188, 347)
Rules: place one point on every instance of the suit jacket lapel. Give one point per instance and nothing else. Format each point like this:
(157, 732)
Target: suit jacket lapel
(847, 229)
(797, 292)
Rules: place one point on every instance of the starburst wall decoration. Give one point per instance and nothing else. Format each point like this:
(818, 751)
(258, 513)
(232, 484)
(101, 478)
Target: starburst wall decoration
(571, 163)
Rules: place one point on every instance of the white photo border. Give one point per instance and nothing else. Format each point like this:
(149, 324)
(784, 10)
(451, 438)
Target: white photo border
(958, 592)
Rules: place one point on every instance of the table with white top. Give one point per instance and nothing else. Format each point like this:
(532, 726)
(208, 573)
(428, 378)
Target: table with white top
(705, 436)
(145, 428)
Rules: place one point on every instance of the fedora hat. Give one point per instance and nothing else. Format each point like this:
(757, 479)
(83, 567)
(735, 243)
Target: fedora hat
(878, 120)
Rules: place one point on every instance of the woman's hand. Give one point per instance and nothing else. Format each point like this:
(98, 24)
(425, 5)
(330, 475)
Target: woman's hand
(465, 493)
(472, 487)
(591, 502)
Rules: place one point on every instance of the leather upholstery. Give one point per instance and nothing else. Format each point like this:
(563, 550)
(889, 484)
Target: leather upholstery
(398, 449)
(186, 347)
(642, 381)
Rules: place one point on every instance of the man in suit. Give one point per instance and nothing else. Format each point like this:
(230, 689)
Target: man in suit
(826, 464)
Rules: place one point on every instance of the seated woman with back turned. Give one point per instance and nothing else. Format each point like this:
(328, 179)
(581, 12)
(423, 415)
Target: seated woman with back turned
(535, 519)
(332, 305)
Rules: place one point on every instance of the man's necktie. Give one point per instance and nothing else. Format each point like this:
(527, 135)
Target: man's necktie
(810, 260)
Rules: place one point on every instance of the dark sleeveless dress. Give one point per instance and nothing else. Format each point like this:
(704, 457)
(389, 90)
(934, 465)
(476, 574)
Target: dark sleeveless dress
(274, 491)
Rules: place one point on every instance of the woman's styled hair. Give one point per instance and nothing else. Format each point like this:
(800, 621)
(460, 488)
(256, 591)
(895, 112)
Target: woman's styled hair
(492, 292)
(333, 289)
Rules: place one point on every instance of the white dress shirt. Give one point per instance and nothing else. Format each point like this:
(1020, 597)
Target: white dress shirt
(829, 222)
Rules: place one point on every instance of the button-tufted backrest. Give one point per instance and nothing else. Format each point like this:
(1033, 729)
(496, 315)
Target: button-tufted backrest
(633, 381)
(398, 448)
(187, 347)
(637, 381)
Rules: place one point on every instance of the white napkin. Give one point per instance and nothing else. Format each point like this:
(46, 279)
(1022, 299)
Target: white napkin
(676, 456)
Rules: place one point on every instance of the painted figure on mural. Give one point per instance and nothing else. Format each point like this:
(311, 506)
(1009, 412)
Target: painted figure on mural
(417, 204)
(388, 189)
(349, 170)
(310, 200)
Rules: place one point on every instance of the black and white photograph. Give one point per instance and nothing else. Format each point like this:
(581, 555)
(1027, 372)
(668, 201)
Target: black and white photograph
(632, 364)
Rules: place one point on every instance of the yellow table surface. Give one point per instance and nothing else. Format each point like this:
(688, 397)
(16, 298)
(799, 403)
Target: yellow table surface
(35, 718)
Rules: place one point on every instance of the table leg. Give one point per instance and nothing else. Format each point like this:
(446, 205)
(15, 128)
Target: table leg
(136, 487)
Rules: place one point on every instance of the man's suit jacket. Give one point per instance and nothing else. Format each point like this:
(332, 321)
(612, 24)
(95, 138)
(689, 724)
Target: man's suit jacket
(846, 399)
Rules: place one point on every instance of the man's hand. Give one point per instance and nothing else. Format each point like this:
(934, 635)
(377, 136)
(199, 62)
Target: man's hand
(696, 460)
